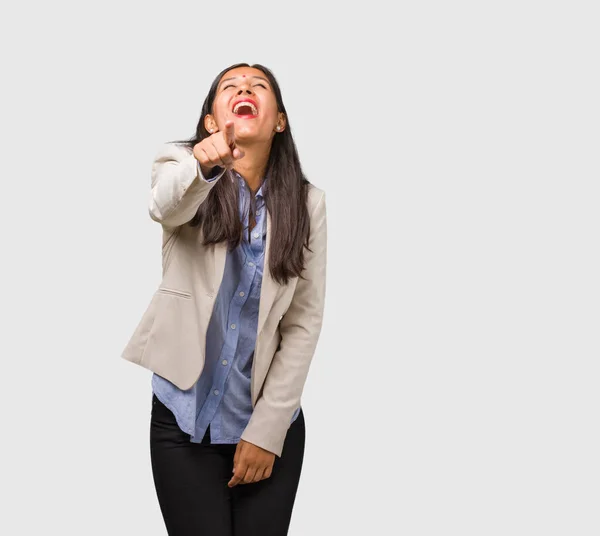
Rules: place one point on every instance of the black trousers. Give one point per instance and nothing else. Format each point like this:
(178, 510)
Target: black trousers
(191, 483)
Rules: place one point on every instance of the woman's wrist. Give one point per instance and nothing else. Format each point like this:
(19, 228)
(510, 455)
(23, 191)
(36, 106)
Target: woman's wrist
(208, 173)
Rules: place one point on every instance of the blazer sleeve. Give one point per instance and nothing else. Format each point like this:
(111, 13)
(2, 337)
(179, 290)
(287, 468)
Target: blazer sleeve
(300, 328)
(178, 187)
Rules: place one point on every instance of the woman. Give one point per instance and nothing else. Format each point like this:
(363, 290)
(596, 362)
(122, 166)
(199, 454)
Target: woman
(231, 330)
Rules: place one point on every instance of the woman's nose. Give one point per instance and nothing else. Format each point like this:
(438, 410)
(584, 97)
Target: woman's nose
(245, 88)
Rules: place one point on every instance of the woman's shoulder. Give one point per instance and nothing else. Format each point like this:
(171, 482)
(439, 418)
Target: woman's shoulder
(171, 150)
(315, 196)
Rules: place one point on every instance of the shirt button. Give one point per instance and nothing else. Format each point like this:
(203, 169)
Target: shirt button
(216, 391)
(255, 235)
(224, 361)
(242, 293)
(250, 264)
(232, 326)
(258, 212)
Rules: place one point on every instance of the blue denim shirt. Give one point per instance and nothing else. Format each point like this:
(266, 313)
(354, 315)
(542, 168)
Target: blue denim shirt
(221, 396)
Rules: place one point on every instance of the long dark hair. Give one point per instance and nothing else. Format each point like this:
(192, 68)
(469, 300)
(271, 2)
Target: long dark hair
(285, 195)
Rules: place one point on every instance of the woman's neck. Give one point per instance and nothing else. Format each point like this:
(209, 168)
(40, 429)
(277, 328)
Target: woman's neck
(253, 165)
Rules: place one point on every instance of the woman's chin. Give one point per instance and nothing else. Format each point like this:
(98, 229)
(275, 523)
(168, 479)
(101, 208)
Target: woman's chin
(248, 133)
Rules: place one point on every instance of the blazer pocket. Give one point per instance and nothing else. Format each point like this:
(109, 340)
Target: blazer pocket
(175, 292)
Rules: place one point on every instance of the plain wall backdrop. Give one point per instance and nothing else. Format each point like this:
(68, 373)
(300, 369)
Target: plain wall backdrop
(455, 385)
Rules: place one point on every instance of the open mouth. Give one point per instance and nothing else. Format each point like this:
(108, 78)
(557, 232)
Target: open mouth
(245, 109)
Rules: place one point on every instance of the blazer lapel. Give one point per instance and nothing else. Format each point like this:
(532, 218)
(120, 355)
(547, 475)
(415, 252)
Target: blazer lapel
(269, 286)
(220, 253)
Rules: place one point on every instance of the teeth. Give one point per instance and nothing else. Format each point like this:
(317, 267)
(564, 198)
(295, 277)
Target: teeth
(245, 103)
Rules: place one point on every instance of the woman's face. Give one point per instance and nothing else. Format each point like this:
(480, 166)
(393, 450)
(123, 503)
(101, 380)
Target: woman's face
(245, 96)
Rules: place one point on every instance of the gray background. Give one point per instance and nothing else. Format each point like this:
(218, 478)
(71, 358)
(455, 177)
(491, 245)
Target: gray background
(455, 386)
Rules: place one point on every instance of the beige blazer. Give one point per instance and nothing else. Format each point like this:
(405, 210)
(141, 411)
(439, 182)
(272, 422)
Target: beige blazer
(170, 337)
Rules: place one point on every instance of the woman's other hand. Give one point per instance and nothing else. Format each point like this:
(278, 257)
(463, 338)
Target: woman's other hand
(251, 463)
(219, 149)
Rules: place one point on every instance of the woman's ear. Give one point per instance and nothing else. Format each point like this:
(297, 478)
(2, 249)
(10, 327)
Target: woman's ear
(281, 122)
(210, 123)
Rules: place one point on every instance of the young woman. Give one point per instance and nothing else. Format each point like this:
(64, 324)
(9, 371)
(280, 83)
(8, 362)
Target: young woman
(231, 330)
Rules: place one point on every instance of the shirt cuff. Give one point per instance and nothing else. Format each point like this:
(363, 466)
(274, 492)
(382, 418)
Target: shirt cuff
(217, 172)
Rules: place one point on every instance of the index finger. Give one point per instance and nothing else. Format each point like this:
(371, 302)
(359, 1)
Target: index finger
(230, 133)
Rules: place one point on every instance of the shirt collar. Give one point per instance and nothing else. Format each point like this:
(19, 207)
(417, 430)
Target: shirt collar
(242, 183)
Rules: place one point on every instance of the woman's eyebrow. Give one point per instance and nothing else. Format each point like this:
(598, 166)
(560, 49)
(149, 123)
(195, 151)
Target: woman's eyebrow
(236, 77)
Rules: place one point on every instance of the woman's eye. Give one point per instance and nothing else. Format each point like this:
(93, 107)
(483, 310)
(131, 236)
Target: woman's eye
(230, 85)
(262, 85)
